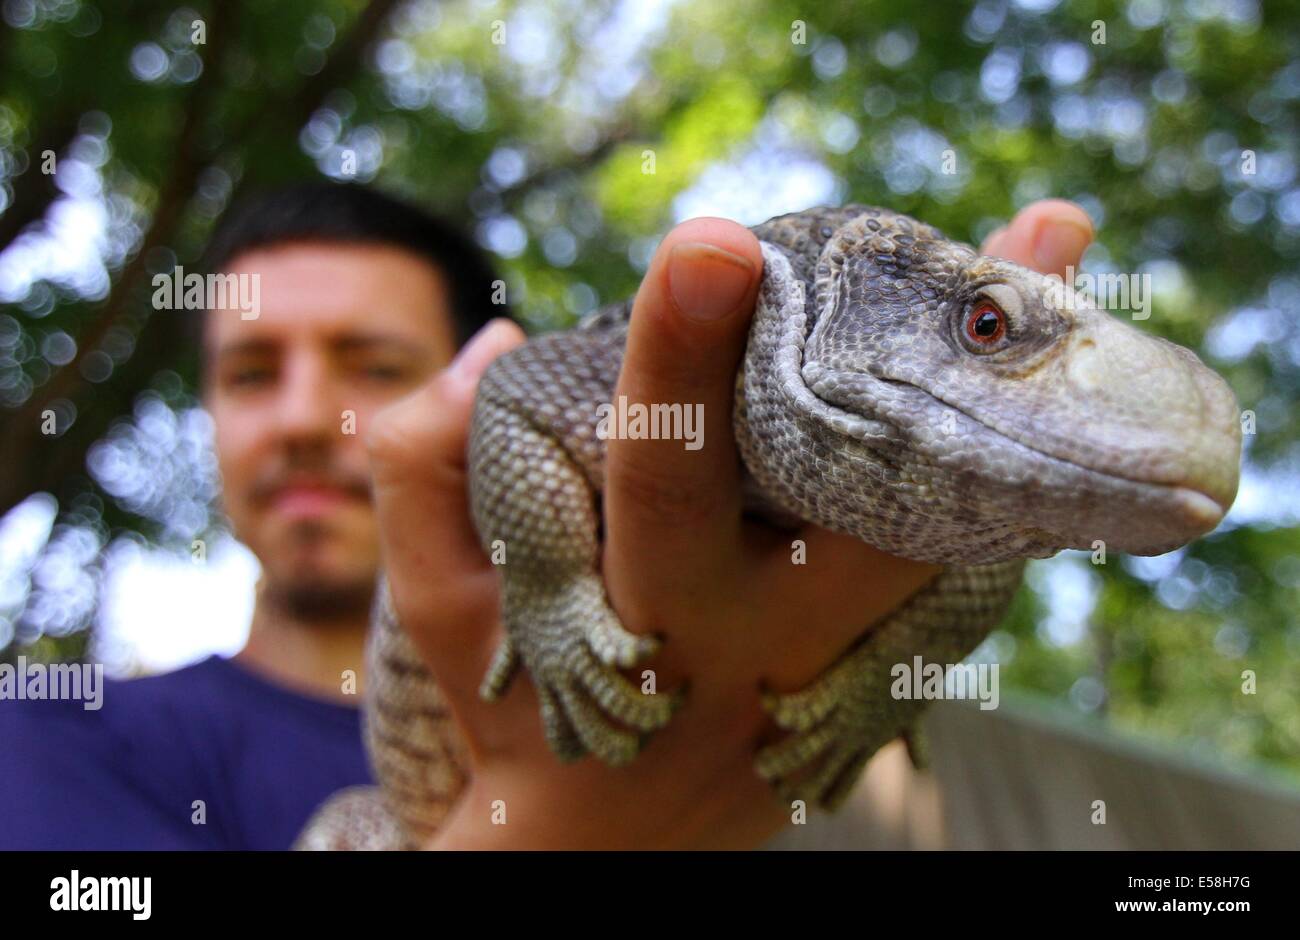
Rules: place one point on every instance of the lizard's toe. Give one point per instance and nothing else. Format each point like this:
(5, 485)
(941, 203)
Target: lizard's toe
(500, 673)
(793, 753)
(612, 644)
(561, 736)
(802, 710)
(812, 705)
(588, 705)
(642, 711)
(824, 780)
(834, 789)
(613, 745)
(615, 646)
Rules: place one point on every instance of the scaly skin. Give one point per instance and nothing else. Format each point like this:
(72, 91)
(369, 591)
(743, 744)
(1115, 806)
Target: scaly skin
(864, 406)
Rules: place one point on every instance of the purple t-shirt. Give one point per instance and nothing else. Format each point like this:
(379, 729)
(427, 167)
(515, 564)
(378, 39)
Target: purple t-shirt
(260, 758)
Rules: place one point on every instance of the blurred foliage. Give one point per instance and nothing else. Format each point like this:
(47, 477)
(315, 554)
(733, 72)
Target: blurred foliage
(569, 135)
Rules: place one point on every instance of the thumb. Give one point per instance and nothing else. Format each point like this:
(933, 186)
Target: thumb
(1047, 236)
(689, 325)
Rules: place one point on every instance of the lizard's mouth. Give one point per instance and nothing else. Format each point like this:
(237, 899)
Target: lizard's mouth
(1069, 503)
(1197, 496)
(1144, 516)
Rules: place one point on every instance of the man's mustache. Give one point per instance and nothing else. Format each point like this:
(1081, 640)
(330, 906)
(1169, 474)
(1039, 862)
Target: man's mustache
(277, 479)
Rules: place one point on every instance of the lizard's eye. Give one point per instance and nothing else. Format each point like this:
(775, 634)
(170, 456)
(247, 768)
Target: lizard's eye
(985, 324)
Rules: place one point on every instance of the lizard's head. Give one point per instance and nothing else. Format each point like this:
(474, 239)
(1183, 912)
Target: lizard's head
(995, 402)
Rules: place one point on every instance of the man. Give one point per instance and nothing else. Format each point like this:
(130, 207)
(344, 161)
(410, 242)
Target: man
(361, 299)
(351, 321)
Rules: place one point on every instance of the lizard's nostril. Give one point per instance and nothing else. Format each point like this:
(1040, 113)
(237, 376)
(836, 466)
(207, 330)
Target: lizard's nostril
(1086, 367)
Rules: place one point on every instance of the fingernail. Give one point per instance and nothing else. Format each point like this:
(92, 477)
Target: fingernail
(708, 282)
(1059, 244)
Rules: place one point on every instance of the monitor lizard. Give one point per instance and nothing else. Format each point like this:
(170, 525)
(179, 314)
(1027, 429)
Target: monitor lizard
(897, 386)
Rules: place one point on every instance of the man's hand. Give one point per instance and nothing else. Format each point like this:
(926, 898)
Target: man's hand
(678, 561)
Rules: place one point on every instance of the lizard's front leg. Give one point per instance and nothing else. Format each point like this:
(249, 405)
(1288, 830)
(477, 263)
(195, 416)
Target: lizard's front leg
(849, 712)
(533, 505)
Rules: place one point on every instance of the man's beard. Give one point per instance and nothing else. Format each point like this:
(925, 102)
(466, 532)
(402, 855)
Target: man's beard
(305, 591)
(317, 596)
(321, 601)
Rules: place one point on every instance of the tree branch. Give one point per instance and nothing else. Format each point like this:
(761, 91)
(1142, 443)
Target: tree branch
(22, 427)
(21, 431)
(34, 190)
(295, 109)
(580, 162)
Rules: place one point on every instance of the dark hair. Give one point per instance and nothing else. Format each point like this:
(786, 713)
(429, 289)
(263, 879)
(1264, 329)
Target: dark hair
(347, 212)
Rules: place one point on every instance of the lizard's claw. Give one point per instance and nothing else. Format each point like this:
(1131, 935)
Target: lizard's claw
(855, 707)
(573, 646)
(833, 727)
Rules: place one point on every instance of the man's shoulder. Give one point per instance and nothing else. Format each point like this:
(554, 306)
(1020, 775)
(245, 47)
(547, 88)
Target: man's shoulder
(214, 740)
(87, 759)
(199, 704)
(69, 722)
(78, 694)
(180, 691)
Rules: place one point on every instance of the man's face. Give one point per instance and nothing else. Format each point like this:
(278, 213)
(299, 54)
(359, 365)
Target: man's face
(344, 329)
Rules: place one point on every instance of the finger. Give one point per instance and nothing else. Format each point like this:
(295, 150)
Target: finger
(841, 578)
(676, 509)
(1048, 236)
(430, 549)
